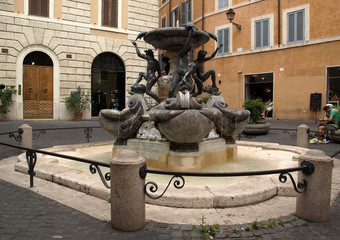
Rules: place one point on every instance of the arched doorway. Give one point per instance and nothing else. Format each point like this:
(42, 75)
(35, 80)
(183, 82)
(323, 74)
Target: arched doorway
(107, 83)
(38, 86)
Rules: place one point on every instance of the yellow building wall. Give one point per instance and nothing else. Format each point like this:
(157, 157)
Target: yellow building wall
(298, 72)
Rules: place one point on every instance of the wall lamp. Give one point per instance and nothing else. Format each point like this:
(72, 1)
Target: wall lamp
(230, 15)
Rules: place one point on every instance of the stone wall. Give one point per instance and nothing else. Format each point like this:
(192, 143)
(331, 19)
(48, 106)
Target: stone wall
(73, 36)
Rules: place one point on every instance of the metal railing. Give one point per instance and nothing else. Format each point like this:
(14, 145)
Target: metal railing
(31, 159)
(36, 133)
(306, 167)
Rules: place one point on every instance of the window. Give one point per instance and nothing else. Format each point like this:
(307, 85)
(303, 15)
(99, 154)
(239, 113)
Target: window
(262, 33)
(174, 17)
(186, 10)
(223, 4)
(39, 7)
(110, 13)
(163, 1)
(296, 26)
(223, 37)
(333, 85)
(163, 22)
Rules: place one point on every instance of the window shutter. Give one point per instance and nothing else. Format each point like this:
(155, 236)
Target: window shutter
(223, 4)
(257, 34)
(299, 26)
(33, 7)
(189, 10)
(114, 14)
(291, 27)
(220, 40)
(171, 18)
(265, 36)
(226, 40)
(105, 12)
(45, 8)
(184, 11)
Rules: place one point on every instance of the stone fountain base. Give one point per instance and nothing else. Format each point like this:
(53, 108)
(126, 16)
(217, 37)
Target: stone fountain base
(160, 155)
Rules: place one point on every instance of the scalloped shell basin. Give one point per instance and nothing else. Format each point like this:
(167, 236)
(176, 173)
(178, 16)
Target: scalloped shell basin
(212, 192)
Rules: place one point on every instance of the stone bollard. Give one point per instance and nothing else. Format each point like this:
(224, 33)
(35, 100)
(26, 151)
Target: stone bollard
(314, 204)
(302, 136)
(26, 137)
(127, 192)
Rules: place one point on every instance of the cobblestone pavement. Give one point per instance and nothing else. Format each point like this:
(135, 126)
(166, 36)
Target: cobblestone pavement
(28, 215)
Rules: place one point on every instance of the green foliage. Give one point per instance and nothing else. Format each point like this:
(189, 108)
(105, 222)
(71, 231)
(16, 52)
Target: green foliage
(281, 223)
(271, 223)
(255, 107)
(205, 230)
(235, 230)
(78, 101)
(6, 99)
(255, 225)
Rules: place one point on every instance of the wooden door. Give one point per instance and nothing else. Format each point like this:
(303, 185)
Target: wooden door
(38, 92)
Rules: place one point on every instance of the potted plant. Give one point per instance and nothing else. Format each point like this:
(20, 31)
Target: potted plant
(257, 125)
(77, 102)
(6, 98)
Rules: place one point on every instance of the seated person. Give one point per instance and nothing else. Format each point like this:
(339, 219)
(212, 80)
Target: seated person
(269, 108)
(333, 119)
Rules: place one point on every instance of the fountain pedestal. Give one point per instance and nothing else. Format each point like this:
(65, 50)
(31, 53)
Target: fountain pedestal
(158, 154)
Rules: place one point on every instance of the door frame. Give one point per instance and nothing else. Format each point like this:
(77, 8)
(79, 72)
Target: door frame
(56, 79)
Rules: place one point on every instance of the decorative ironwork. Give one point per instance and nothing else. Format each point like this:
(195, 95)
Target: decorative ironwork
(93, 170)
(18, 136)
(35, 136)
(292, 135)
(302, 184)
(154, 187)
(306, 167)
(31, 159)
(88, 132)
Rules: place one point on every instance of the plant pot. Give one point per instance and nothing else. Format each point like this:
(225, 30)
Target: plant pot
(256, 129)
(77, 116)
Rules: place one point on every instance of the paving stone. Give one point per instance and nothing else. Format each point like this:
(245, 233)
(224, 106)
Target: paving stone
(268, 230)
(221, 235)
(299, 223)
(257, 233)
(176, 234)
(234, 235)
(247, 234)
(279, 228)
(288, 226)
(186, 227)
(174, 226)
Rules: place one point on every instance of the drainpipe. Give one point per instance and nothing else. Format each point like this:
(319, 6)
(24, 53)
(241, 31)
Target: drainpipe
(203, 20)
(279, 22)
(169, 12)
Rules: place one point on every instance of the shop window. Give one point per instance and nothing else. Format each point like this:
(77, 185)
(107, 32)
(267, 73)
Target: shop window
(39, 8)
(296, 26)
(174, 17)
(110, 13)
(186, 11)
(333, 85)
(262, 33)
(223, 37)
(223, 4)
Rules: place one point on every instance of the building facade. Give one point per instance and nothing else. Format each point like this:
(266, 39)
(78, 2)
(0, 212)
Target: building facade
(284, 51)
(50, 47)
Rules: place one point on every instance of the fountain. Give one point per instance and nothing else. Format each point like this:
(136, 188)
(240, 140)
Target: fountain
(180, 133)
